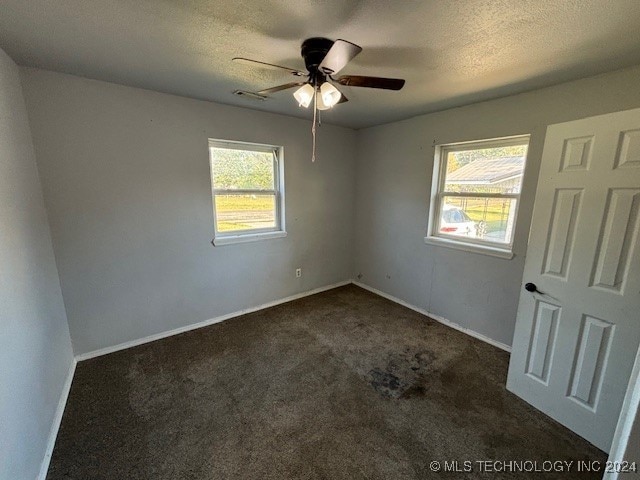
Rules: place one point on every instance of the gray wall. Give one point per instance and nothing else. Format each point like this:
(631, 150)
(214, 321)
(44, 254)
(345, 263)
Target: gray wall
(126, 180)
(35, 348)
(394, 168)
(125, 175)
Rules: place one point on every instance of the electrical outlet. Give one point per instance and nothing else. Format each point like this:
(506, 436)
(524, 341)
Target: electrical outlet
(298, 272)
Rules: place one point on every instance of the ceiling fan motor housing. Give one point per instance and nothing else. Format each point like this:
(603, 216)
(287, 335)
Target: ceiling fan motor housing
(313, 52)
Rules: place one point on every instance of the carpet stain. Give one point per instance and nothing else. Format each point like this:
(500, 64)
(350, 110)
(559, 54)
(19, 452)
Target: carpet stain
(387, 384)
(407, 374)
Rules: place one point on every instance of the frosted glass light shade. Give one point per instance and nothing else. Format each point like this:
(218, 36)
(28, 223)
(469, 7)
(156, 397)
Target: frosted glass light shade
(304, 95)
(330, 94)
(320, 103)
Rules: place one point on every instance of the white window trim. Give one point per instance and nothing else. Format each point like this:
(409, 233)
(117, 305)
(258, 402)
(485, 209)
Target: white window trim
(246, 237)
(434, 237)
(468, 247)
(251, 235)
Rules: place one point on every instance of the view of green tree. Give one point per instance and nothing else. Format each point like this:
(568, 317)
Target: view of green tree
(242, 169)
(452, 162)
(460, 159)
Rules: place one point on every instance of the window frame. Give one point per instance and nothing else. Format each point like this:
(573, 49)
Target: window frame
(251, 234)
(438, 192)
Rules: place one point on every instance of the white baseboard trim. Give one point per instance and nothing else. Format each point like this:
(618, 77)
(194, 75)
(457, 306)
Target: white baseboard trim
(57, 419)
(444, 321)
(194, 326)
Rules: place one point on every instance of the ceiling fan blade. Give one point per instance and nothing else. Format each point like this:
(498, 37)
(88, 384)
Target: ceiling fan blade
(340, 53)
(248, 61)
(268, 91)
(371, 82)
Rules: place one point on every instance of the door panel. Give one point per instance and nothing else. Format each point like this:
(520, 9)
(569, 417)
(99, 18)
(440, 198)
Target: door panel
(564, 214)
(619, 229)
(592, 354)
(577, 336)
(576, 154)
(543, 341)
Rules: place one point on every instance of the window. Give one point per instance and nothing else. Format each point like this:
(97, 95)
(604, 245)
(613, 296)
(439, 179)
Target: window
(248, 193)
(476, 194)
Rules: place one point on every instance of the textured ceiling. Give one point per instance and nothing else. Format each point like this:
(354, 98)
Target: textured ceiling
(451, 52)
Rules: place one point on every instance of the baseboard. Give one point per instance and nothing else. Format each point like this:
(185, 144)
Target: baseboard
(57, 419)
(205, 323)
(444, 321)
(222, 318)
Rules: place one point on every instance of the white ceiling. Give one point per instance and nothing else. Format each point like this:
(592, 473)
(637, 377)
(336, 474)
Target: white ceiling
(451, 52)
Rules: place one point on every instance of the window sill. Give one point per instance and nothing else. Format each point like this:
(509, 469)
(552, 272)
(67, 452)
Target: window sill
(246, 237)
(470, 247)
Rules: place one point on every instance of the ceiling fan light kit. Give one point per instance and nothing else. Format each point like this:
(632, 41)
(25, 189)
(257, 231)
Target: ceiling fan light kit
(304, 95)
(323, 58)
(329, 94)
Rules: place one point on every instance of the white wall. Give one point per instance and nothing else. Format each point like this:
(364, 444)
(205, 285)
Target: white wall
(35, 348)
(125, 174)
(395, 164)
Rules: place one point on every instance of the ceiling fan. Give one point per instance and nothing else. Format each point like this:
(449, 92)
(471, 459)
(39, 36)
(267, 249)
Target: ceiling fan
(323, 58)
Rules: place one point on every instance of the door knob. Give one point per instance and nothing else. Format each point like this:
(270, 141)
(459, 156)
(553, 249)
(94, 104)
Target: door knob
(531, 287)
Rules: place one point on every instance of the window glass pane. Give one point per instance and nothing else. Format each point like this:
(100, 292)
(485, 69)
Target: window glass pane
(242, 169)
(487, 219)
(245, 212)
(486, 170)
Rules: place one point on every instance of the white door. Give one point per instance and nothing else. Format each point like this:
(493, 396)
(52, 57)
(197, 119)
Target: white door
(576, 336)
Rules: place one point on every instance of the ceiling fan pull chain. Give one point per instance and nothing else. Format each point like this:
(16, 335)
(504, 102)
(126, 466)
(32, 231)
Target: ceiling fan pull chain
(313, 127)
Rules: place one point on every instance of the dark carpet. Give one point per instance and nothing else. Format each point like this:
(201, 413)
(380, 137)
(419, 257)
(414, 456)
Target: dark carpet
(339, 385)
